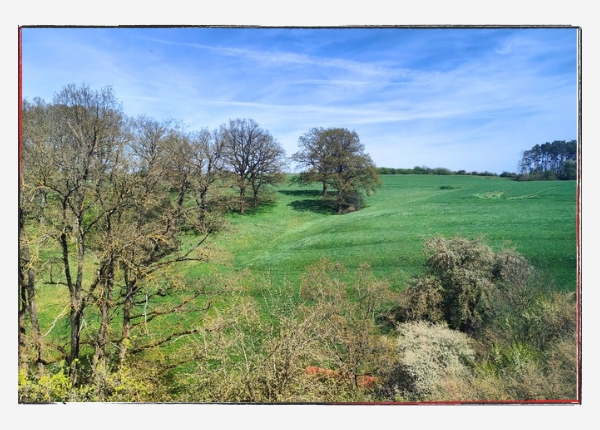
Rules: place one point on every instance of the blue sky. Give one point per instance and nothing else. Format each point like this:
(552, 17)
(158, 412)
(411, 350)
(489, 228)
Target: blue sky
(465, 98)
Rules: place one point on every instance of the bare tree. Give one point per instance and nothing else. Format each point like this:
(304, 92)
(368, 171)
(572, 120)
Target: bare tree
(269, 168)
(251, 155)
(32, 202)
(113, 194)
(204, 156)
(85, 146)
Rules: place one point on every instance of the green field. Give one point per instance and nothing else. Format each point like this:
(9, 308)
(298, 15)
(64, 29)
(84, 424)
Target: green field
(280, 239)
(276, 243)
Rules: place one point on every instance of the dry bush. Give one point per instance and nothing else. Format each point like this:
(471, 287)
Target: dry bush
(254, 354)
(421, 300)
(251, 352)
(349, 336)
(431, 358)
(561, 381)
(457, 287)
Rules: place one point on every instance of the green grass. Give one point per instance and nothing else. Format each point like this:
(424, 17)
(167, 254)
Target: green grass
(279, 240)
(283, 238)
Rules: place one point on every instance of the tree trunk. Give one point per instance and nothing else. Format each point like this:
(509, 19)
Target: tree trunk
(255, 194)
(107, 281)
(180, 200)
(75, 322)
(126, 330)
(22, 313)
(33, 318)
(325, 188)
(77, 303)
(27, 307)
(202, 206)
(340, 202)
(242, 199)
(27, 302)
(43, 201)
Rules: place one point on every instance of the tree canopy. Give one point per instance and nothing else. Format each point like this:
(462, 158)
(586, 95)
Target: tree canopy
(106, 200)
(336, 158)
(556, 160)
(252, 156)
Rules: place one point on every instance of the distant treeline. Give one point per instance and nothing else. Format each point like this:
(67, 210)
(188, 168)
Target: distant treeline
(423, 170)
(548, 161)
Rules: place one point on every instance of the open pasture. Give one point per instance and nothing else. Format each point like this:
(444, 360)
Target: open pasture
(537, 218)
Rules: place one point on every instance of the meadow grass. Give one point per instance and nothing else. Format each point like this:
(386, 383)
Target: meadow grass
(280, 239)
(276, 242)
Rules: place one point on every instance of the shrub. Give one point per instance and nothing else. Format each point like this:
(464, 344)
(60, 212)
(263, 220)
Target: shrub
(318, 345)
(48, 388)
(472, 287)
(464, 268)
(430, 359)
(523, 373)
(421, 300)
(124, 385)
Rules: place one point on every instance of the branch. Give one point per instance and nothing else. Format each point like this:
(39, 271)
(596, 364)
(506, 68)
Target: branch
(179, 259)
(56, 319)
(150, 316)
(165, 340)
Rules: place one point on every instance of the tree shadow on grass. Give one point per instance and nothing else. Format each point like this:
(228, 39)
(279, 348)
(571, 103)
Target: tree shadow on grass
(316, 203)
(302, 193)
(264, 206)
(325, 207)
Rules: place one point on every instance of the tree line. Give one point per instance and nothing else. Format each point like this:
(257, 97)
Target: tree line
(110, 206)
(424, 170)
(548, 161)
(104, 202)
(556, 160)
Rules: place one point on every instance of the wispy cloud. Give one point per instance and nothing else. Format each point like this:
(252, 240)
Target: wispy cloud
(278, 57)
(415, 97)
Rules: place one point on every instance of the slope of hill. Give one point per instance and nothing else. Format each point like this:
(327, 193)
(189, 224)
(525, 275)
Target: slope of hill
(538, 219)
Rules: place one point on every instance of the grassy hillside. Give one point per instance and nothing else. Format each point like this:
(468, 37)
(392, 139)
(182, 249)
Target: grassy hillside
(536, 218)
(241, 323)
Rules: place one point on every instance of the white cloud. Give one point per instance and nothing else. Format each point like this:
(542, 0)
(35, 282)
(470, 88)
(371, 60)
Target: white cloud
(506, 94)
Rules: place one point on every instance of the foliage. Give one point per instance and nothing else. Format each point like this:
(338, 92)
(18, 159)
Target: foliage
(424, 170)
(348, 314)
(549, 161)
(335, 157)
(268, 353)
(523, 329)
(421, 299)
(113, 196)
(521, 372)
(123, 385)
(115, 215)
(465, 270)
(429, 356)
(473, 288)
(251, 156)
